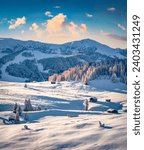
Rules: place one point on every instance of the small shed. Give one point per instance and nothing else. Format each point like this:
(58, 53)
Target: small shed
(93, 99)
(53, 82)
(108, 100)
(114, 111)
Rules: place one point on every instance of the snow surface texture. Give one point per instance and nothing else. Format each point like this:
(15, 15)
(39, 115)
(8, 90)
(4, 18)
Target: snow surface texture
(52, 129)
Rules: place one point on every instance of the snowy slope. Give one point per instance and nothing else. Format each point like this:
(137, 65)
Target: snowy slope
(49, 58)
(94, 45)
(73, 47)
(52, 129)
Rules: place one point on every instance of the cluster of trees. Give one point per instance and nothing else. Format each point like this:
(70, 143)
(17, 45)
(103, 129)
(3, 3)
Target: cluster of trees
(26, 69)
(18, 111)
(8, 58)
(116, 70)
(59, 64)
(27, 54)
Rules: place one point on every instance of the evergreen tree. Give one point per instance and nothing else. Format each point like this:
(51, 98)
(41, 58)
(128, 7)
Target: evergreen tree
(17, 118)
(114, 78)
(28, 106)
(15, 108)
(19, 110)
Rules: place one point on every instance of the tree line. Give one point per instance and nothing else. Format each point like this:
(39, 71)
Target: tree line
(116, 70)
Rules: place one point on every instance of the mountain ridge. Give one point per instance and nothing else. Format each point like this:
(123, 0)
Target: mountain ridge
(19, 58)
(40, 42)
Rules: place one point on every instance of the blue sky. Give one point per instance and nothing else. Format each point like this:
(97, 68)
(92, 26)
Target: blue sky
(60, 21)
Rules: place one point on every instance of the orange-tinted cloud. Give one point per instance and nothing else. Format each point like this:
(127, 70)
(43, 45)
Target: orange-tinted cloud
(72, 26)
(75, 30)
(114, 36)
(34, 27)
(59, 29)
(15, 23)
(56, 23)
(83, 28)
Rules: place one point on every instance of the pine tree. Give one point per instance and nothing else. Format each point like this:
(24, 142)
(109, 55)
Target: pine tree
(17, 119)
(25, 85)
(15, 108)
(115, 68)
(28, 106)
(114, 78)
(19, 110)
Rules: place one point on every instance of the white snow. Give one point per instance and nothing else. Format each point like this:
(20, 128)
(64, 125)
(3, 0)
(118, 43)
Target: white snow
(75, 48)
(19, 58)
(40, 55)
(101, 48)
(52, 129)
(5, 76)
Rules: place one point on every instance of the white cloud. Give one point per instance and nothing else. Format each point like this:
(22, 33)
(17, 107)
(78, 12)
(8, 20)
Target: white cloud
(34, 27)
(57, 7)
(48, 13)
(72, 26)
(89, 15)
(58, 28)
(83, 27)
(121, 27)
(15, 23)
(56, 23)
(112, 9)
(75, 30)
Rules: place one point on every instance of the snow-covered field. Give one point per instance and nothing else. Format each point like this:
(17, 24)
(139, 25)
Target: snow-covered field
(52, 128)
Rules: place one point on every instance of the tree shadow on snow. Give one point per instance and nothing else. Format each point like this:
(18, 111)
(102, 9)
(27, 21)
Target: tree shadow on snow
(57, 103)
(102, 86)
(104, 106)
(35, 116)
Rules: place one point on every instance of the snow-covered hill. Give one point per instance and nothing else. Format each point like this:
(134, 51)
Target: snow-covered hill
(52, 129)
(30, 60)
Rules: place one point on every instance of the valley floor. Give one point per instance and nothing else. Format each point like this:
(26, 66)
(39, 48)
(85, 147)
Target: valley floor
(53, 128)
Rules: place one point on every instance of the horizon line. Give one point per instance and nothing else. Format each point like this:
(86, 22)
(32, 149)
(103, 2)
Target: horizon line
(24, 40)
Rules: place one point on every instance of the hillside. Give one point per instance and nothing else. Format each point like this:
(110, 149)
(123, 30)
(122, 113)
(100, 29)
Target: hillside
(51, 128)
(34, 61)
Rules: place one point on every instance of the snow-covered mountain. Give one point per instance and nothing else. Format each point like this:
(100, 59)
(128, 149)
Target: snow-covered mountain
(30, 60)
